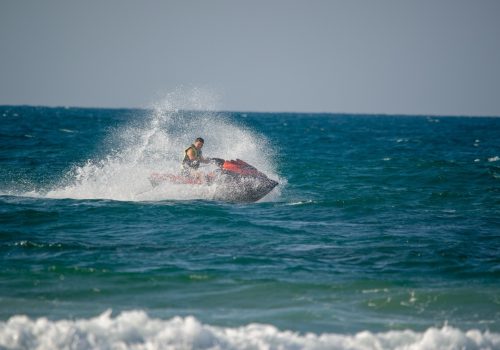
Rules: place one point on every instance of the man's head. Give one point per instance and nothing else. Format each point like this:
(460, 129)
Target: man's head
(198, 143)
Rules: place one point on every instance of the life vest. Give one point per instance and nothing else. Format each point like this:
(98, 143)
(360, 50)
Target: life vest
(194, 164)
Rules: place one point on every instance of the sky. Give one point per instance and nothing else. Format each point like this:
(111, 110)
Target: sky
(430, 57)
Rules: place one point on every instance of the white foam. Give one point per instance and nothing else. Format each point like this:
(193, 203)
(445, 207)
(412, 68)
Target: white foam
(156, 144)
(301, 202)
(494, 159)
(136, 330)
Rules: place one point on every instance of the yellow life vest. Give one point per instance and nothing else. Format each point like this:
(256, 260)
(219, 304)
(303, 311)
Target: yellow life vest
(188, 162)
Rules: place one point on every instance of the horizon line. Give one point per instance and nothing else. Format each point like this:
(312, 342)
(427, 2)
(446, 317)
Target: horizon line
(261, 111)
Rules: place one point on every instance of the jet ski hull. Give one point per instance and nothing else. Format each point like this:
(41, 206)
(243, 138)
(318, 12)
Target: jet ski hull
(243, 189)
(235, 181)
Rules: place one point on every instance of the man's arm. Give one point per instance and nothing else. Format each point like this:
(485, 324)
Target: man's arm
(190, 154)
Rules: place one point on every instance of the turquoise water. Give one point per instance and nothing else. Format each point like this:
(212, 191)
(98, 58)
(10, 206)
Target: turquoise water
(379, 224)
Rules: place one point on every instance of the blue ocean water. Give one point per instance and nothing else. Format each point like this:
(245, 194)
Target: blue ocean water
(383, 232)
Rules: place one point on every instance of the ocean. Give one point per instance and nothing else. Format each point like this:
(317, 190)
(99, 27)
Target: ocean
(383, 233)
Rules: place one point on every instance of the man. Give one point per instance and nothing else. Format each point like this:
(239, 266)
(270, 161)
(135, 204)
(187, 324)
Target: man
(193, 157)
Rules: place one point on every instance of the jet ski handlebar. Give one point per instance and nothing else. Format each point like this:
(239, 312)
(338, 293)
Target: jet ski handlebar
(217, 161)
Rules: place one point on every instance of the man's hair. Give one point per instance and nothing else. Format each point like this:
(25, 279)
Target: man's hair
(199, 139)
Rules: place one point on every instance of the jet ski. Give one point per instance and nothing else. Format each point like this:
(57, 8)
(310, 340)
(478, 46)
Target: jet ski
(234, 181)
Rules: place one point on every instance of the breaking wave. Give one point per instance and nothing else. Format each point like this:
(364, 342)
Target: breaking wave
(136, 330)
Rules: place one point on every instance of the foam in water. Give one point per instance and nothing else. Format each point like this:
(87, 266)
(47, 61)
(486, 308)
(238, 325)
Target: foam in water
(136, 330)
(156, 145)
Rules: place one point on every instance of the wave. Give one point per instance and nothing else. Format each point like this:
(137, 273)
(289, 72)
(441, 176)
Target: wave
(136, 330)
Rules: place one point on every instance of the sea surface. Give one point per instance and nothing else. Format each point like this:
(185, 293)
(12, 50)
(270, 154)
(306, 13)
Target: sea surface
(384, 232)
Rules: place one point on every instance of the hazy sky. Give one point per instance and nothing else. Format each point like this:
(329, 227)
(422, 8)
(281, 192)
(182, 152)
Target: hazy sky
(358, 56)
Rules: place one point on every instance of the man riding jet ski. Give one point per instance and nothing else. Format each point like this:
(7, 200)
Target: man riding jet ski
(235, 180)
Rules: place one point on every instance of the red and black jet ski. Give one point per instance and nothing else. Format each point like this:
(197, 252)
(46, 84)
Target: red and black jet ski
(235, 181)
